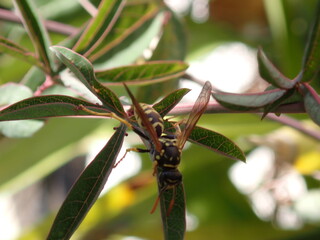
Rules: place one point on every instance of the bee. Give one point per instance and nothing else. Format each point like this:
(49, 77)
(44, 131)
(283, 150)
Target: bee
(166, 148)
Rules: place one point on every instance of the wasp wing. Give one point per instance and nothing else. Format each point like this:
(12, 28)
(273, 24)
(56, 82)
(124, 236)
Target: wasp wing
(144, 119)
(198, 108)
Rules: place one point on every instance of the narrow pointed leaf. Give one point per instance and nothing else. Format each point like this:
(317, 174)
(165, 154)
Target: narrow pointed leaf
(213, 141)
(101, 24)
(166, 104)
(13, 49)
(47, 106)
(127, 39)
(311, 61)
(312, 103)
(83, 70)
(37, 32)
(271, 74)
(34, 78)
(248, 101)
(150, 72)
(173, 42)
(174, 225)
(216, 142)
(86, 189)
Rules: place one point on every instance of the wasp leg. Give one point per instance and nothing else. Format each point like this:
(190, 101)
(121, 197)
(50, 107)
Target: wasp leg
(154, 207)
(171, 204)
(111, 115)
(155, 168)
(140, 150)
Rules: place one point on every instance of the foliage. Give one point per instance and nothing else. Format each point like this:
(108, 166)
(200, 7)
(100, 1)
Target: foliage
(83, 76)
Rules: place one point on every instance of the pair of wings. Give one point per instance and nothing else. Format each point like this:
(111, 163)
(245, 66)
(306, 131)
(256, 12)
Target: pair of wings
(198, 108)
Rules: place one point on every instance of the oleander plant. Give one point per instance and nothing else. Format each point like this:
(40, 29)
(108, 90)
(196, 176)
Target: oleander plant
(111, 70)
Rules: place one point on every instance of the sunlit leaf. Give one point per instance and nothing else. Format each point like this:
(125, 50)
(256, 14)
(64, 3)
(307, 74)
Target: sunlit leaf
(99, 26)
(13, 49)
(150, 72)
(83, 70)
(138, 24)
(37, 33)
(271, 74)
(167, 103)
(311, 61)
(86, 189)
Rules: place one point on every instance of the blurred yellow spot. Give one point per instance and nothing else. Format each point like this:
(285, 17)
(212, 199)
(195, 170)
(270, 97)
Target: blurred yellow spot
(308, 163)
(120, 197)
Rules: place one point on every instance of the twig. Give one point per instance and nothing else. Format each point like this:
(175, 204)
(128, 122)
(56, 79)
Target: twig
(288, 121)
(214, 107)
(50, 25)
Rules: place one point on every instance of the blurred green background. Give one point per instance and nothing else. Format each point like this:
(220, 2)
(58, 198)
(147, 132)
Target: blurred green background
(216, 209)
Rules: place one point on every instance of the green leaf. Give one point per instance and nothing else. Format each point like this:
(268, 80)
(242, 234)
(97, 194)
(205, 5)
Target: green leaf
(13, 49)
(37, 33)
(311, 61)
(150, 72)
(86, 189)
(47, 106)
(216, 142)
(100, 25)
(167, 103)
(248, 101)
(271, 74)
(34, 78)
(174, 225)
(289, 97)
(173, 42)
(138, 24)
(311, 103)
(83, 70)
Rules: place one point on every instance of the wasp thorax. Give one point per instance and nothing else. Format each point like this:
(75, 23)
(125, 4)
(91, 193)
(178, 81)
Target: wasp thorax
(169, 155)
(153, 117)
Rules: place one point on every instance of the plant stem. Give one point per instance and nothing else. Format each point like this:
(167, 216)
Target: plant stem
(291, 122)
(52, 26)
(214, 107)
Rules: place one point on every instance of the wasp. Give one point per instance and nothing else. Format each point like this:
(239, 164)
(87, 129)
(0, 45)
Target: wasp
(166, 148)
